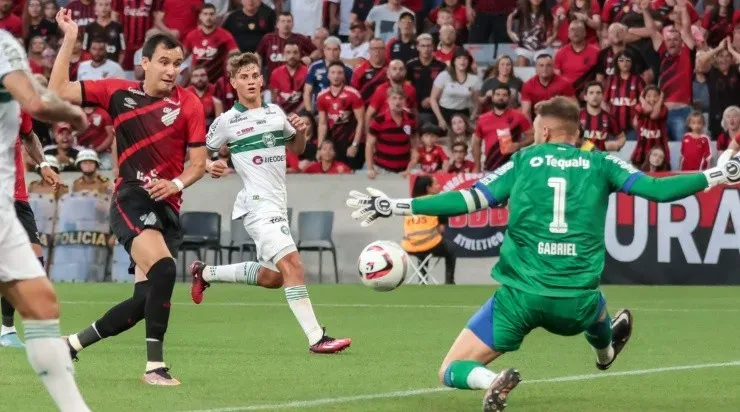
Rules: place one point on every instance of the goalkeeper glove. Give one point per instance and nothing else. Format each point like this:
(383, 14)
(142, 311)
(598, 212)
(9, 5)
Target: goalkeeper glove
(376, 204)
(726, 173)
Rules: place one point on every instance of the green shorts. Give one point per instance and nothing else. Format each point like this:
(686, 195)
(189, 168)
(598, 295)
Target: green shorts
(504, 321)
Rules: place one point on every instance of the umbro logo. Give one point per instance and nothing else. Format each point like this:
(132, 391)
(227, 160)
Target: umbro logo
(148, 219)
(129, 102)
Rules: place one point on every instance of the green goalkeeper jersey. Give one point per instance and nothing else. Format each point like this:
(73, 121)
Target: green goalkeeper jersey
(558, 197)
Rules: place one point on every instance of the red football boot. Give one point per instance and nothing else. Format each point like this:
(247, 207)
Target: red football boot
(330, 345)
(199, 285)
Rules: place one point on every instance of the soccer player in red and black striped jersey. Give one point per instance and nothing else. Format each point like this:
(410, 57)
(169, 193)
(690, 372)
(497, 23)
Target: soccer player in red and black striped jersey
(503, 130)
(28, 139)
(286, 82)
(341, 116)
(210, 45)
(371, 73)
(597, 124)
(136, 17)
(391, 137)
(158, 126)
(271, 45)
(623, 89)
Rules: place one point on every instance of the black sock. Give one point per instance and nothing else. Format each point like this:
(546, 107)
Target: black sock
(161, 277)
(8, 312)
(119, 318)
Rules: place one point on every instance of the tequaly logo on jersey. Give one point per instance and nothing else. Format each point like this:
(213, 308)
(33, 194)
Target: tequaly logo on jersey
(170, 115)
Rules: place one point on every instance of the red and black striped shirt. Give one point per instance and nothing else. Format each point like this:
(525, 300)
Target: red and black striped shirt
(82, 14)
(152, 134)
(136, 17)
(340, 113)
(650, 133)
(366, 78)
(393, 140)
(622, 96)
(598, 128)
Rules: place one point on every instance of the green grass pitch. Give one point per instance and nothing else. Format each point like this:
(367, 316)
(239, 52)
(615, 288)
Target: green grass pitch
(242, 350)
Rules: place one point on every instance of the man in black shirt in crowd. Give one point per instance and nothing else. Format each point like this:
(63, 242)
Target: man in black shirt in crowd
(105, 28)
(421, 72)
(249, 24)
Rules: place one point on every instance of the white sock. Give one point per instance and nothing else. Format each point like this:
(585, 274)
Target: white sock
(49, 358)
(604, 356)
(150, 366)
(4, 330)
(300, 304)
(481, 378)
(74, 341)
(237, 273)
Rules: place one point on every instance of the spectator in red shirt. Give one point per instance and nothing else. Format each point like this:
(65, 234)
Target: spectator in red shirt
(650, 124)
(327, 163)
(676, 52)
(447, 44)
(597, 124)
(623, 90)
(272, 44)
(718, 21)
(136, 17)
(286, 82)
(36, 47)
(99, 136)
(223, 88)
(586, 11)
(178, 17)
(695, 147)
(396, 77)
(503, 130)
(341, 116)
(371, 73)
(403, 45)
(210, 45)
(9, 21)
(459, 164)
(459, 17)
(83, 12)
(543, 86)
(212, 106)
(391, 137)
(574, 61)
(444, 18)
(429, 155)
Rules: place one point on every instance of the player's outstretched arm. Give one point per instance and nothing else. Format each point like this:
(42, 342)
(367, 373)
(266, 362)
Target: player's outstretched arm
(670, 188)
(40, 103)
(59, 81)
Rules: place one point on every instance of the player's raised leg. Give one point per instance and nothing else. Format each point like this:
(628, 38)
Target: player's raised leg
(609, 336)
(464, 367)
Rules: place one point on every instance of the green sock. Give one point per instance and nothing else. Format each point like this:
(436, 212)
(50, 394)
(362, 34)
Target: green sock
(599, 335)
(468, 374)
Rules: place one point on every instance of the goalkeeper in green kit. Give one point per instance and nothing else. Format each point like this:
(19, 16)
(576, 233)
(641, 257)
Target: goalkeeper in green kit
(553, 254)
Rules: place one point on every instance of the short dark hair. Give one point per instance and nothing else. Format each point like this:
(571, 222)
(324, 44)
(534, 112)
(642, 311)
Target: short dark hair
(199, 67)
(208, 6)
(291, 43)
(543, 56)
(502, 86)
(336, 63)
(285, 14)
(167, 41)
(650, 87)
(431, 128)
(98, 39)
(421, 186)
(591, 84)
(458, 144)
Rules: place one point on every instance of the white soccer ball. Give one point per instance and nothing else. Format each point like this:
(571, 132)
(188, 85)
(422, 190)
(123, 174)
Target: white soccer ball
(383, 265)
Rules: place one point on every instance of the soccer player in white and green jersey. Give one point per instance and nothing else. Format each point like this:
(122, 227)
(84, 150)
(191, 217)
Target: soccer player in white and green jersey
(553, 256)
(258, 135)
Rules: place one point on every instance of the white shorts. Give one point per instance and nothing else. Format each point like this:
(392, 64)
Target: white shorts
(271, 234)
(17, 259)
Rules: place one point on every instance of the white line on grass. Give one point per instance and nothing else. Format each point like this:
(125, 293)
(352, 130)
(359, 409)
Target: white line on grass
(414, 392)
(389, 306)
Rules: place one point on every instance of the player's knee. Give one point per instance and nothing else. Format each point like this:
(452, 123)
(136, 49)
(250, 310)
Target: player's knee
(270, 279)
(291, 267)
(43, 306)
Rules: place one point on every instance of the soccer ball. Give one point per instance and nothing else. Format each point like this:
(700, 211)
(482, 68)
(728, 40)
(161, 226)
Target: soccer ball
(383, 265)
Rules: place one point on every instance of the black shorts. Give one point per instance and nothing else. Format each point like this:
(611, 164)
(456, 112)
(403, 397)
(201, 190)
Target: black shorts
(132, 210)
(28, 221)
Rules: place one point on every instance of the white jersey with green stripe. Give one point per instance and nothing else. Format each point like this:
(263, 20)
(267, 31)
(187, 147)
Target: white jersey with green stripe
(12, 58)
(256, 139)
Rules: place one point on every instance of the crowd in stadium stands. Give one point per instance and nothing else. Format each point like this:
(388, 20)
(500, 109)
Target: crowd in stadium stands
(388, 86)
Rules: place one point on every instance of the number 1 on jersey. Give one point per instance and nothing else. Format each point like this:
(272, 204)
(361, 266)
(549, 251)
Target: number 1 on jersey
(558, 224)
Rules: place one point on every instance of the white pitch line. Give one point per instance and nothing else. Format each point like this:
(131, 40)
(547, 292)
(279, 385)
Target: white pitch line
(388, 306)
(424, 391)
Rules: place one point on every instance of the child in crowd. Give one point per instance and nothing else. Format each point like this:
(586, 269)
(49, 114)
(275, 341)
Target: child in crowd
(695, 147)
(430, 156)
(458, 163)
(650, 124)
(655, 161)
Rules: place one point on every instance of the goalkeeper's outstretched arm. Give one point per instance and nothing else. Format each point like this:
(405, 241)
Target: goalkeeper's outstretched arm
(670, 188)
(450, 203)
